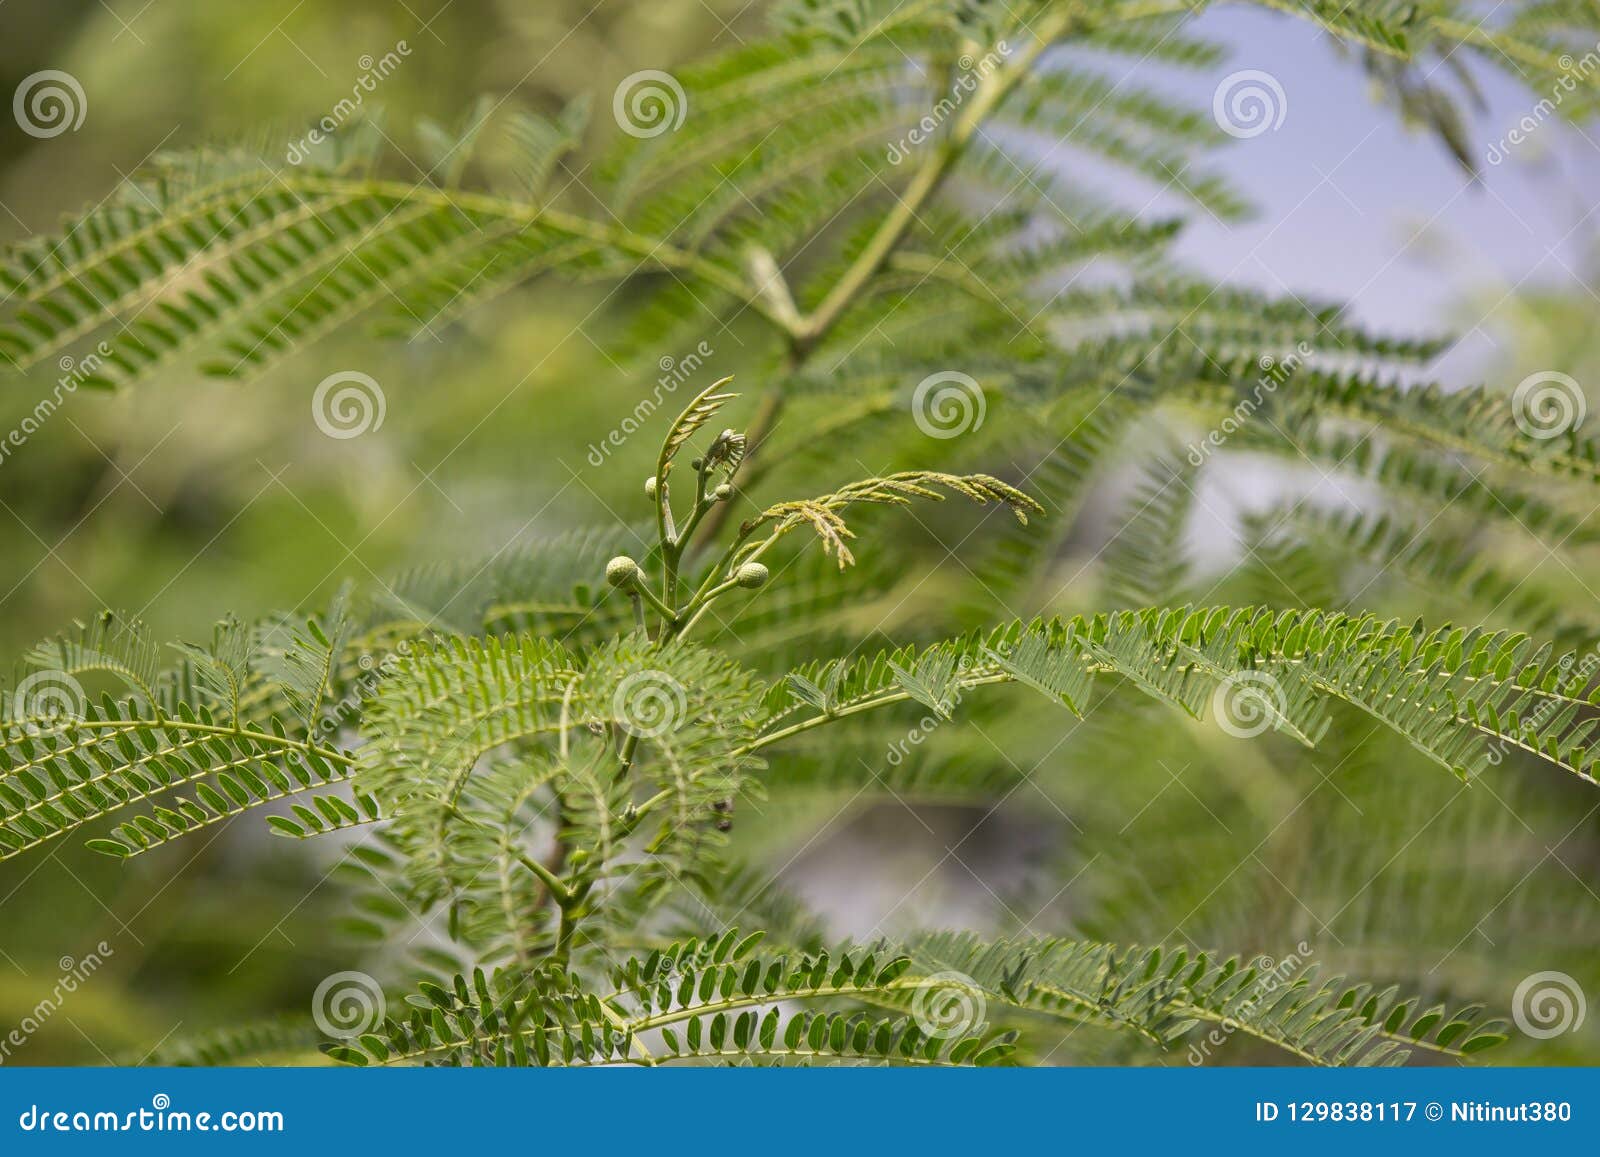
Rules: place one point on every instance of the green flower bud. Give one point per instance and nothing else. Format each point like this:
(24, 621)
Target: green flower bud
(622, 571)
(651, 486)
(722, 493)
(751, 576)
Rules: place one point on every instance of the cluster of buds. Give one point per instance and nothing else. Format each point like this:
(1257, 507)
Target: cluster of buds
(714, 471)
(679, 611)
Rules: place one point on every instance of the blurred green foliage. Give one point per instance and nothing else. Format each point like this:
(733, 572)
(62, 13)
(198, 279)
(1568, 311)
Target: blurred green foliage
(195, 497)
(192, 497)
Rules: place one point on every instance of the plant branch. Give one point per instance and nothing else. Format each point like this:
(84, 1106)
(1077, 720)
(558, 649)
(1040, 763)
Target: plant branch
(991, 91)
(805, 332)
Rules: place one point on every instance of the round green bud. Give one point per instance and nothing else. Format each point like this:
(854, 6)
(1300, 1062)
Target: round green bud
(651, 486)
(751, 576)
(722, 493)
(622, 570)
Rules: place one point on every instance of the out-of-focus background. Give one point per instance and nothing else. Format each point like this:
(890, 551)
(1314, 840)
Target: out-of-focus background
(190, 498)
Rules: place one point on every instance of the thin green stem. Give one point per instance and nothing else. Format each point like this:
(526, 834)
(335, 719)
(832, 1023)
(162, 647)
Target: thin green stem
(168, 723)
(756, 434)
(639, 588)
(558, 890)
(700, 605)
(674, 543)
(925, 182)
(856, 708)
(625, 758)
(567, 929)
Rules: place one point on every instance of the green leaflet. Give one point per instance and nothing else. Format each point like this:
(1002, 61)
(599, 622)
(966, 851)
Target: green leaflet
(1448, 691)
